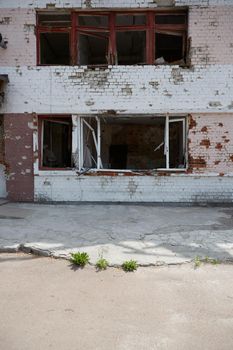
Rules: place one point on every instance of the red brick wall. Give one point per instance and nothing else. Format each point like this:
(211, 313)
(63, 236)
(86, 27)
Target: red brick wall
(18, 129)
(210, 143)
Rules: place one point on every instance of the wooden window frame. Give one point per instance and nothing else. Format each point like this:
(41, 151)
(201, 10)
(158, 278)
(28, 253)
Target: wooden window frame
(151, 28)
(41, 119)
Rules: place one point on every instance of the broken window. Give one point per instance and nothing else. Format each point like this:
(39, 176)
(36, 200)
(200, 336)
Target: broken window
(103, 38)
(92, 48)
(176, 143)
(93, 39)
(132, 143)
(56, 142)
(131, 47)
(54, 32)
(54, 48)
(170, 38)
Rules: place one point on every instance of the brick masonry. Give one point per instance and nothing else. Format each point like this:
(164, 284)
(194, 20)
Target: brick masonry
(174, 188)
(19, 156)
(210, 144)
(204, 91)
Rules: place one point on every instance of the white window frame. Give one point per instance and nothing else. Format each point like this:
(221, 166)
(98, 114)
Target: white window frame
(78, 149)
(169, 120)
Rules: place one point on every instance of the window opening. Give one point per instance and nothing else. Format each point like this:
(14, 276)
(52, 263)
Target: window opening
(131, 47)
(132, 143)
(170, 38)
(169, 48)
(176, 143)
(55, 48)
(92, 48)
(112, 38)
(54, 38)
(129, 143)
(56, 143)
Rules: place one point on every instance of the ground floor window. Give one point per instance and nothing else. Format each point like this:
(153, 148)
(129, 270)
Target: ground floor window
(56, 142)
(129, 142)
(132, 142)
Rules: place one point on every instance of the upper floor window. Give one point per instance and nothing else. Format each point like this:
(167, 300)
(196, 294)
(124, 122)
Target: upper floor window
(112, 38)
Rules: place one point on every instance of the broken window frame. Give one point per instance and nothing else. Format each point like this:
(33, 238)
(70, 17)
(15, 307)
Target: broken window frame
(78, 122)
(170, 120)
(40, 29)
(172, 29)
(79, 144)
(52, 118)
(151, 28)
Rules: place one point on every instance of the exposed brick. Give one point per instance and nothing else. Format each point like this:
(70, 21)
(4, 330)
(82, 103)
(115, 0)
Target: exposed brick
(204, 91)
(19, 157)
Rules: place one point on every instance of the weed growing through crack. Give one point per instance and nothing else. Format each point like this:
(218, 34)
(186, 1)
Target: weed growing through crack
(130, 266)
(102, 264)
(80, 259)
(209, 260)
(197, 262)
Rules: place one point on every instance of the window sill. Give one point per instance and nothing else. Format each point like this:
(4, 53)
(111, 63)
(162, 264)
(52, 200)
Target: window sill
(107, 66)
(174, 170)
(107, 172)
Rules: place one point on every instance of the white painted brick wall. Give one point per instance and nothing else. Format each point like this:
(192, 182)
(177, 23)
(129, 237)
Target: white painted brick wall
(153, 89)
(186, 188)
(205, 88)
(17, 26)
(211, 139)
(105, 3)
(211, 32)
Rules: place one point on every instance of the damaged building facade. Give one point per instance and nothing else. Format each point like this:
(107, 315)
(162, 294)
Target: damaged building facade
(120, 101)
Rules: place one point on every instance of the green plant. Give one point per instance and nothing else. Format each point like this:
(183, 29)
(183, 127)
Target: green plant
(80, 258)
(215, 261)
(102, 264)
(130, 265)
(211, 261)
(197, 262)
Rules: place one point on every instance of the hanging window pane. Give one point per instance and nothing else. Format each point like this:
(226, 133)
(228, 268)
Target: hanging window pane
(176, 144)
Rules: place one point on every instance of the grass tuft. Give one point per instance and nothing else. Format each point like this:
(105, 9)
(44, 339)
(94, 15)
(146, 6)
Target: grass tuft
(102, 264)
(130, 266)
(80, 259)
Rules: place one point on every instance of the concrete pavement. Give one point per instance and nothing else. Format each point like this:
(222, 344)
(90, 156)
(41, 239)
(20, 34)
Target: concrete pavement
(46, 305)
(152, 235)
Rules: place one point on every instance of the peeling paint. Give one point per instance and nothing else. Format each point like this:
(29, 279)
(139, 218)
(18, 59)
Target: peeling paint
(205, 142)
(218, 146)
